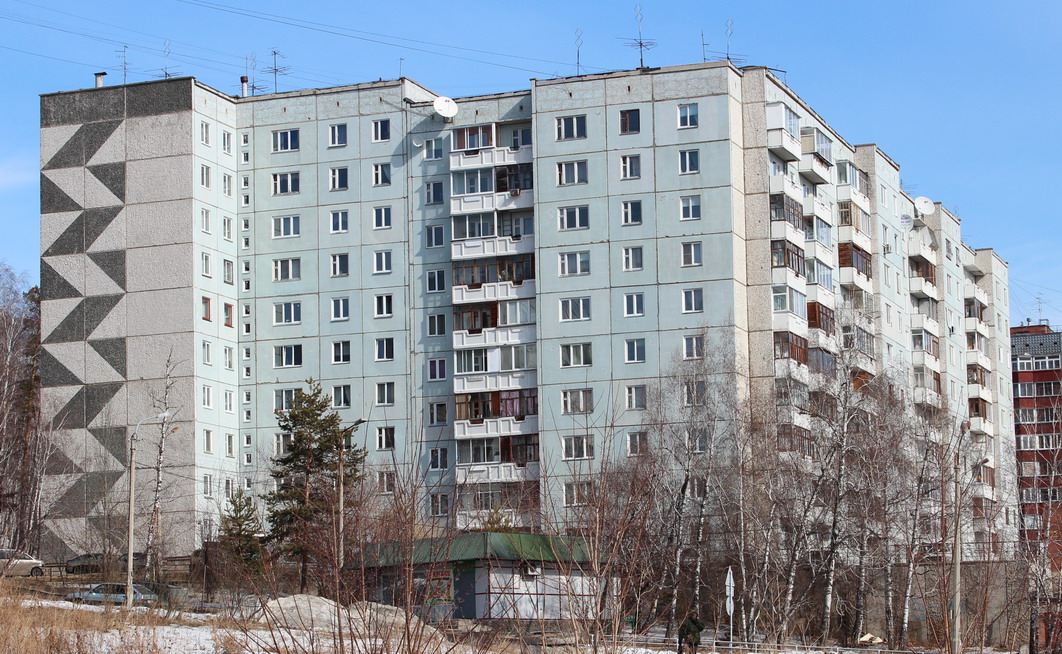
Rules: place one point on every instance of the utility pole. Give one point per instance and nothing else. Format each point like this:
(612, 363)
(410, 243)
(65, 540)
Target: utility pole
(342, 499)
(132, 490)
(956, 563)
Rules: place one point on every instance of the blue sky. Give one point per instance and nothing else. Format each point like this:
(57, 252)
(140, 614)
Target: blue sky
(964, 95)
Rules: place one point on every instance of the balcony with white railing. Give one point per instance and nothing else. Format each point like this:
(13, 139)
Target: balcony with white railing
(927, 397)
(922, 287)
(815, 169)
(782, 184)
(925, 359)
(494, 336)
(857, 197)
(482, 382)
(850, 276)
(482, 202)
(976, 292)
(486, 473)
(489, 427)
(979, 358)
(979, 326)
(982, 426)
(490, 157)
(979, 391)
(925, 323)
(815, 206)
(849, 234)
(783, 145)
(477, 519)
(492, 246)
(493, 291)
(917, 247)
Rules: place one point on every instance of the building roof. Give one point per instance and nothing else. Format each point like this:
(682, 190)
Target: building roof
(1035, 339)
(481, 545)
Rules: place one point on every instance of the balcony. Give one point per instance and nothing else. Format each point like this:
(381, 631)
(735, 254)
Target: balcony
(849, 276)
(925, 359)
(783, 229)
(979, 326)
(925, 323)
(979, 391)
(927, 397)
(821, 340)
(982, 426)
(494, 291)
(485, 473)
(814, 206)
(783, 145)
(849, 234)
(821, 294)
(477, 519)
(490, 157)
(917, 247)
(976, 292)
(485, 382)
(785, 321)
(979, 358)
(847, 192)
(482, 202)
(782, 184)
(489, 427)
(492, 246)
(924, 288)
(815, 169)
(494, 336)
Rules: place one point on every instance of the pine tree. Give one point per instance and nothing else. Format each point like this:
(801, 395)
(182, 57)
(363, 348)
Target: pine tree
(240, 528)
(302, 508)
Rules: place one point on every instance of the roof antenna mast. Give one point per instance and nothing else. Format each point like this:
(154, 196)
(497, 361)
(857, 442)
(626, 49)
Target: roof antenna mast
(578, 49)
(640, 43)
(275, 69)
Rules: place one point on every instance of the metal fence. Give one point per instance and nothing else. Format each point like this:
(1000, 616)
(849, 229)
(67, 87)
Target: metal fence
(658, 639)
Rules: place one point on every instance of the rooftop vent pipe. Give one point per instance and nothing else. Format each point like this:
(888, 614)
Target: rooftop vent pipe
(99, 80)
(243, 85)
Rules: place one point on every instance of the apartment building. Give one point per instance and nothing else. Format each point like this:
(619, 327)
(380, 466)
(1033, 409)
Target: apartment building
(496, 291)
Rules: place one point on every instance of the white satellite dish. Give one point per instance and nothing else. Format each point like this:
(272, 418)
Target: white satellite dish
(924, 205)
(445, 107)
(906, 221)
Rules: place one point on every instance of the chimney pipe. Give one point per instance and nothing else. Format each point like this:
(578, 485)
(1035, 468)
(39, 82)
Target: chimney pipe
(243, 85)
(99, 80)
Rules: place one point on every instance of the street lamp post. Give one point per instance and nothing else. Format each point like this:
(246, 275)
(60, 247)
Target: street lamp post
(132, 487)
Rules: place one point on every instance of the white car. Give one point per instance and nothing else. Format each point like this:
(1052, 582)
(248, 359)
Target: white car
(19, 564)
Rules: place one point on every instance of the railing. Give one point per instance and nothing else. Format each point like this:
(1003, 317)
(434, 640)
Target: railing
(658, 639)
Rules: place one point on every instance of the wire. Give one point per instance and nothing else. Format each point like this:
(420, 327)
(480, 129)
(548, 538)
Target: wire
(68, 61)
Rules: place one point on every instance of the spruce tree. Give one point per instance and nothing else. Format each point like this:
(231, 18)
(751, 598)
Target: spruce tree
(240, 528)
(302, 507)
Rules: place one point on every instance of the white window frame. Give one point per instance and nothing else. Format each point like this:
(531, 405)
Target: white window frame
(633, 258)
(692, 254)
(688, 115)
(573, 309)
(340, 308)
(692, 300)
(633, 305)
(630, 166)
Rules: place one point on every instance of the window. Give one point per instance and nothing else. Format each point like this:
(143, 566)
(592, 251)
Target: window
(433, 149)
(285, 140)
(632, 258)
(287, 356)
(287, 313)
(229, 358)
(630, 121)
(633, 304)
(571, 127)
(630, 166)
(436, 369)
(226, 142)
(381, 174)
(286, 226)
(385, 393)
(576, 493)
(692, 300)
(337, 135)
(517, 312)
(574, 308)
(385, 349)
(576, 354)
(571, 172)
(286, 269)
(440, 504)
(205, 265)
(340, 265)
(634, 350)
(521, 138)
(381, 130)
(436, 236)
(689, 161)
(437, 413)
(385, 482)
(205, 308)
(691, 254)
(226, 228)
(341, 352)
(519, 357)
(204, 133)
(473, 138)
(439, 458)
(285, 183)
(631, 212)
(790, 346)
(693, 346)
(226, 184)
(580, 400)
(381, 261)
(204, 176)
(787, 255)
(691, 207)
(433, 193)
(694, 393)
(204, 220)
(207, 357)
(227, 314)
(385, 438)
(340, 308)
(579, 446)
(687, 115)
(636, 399)
(337, 179)
(472, 181)
(637, 443)
(574, 217)
(208, 397)
(340, 222)
(574, 263)
(787, 299)
(284, 399)
(437, 324)
(436, 281)
(383, 306)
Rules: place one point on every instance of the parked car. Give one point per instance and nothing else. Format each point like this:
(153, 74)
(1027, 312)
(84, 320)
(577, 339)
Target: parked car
(14, 563)
(91, 563)
(113, 594)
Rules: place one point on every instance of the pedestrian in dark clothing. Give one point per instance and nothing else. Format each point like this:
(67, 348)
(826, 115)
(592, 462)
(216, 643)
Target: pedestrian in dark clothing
(690, 633)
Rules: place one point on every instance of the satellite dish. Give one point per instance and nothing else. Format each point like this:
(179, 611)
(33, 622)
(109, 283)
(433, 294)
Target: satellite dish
(445, 107)
(924, 205)
(906, 220)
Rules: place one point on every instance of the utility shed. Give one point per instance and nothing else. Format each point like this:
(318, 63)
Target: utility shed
(491, 575)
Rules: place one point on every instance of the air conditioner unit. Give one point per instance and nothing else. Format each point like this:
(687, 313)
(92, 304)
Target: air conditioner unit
(514, 192)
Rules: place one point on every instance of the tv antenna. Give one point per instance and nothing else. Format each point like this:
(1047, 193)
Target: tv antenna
(276, 70)
(640, 43)
(725, 55)
(1040, 305)
(123, 54)
(166, 72)
(578, 48)
(704, 44)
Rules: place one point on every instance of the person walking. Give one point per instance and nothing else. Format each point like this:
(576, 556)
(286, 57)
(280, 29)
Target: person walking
(690, 633)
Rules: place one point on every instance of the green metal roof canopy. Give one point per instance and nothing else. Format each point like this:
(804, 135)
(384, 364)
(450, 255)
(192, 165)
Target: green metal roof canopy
(480, 545)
